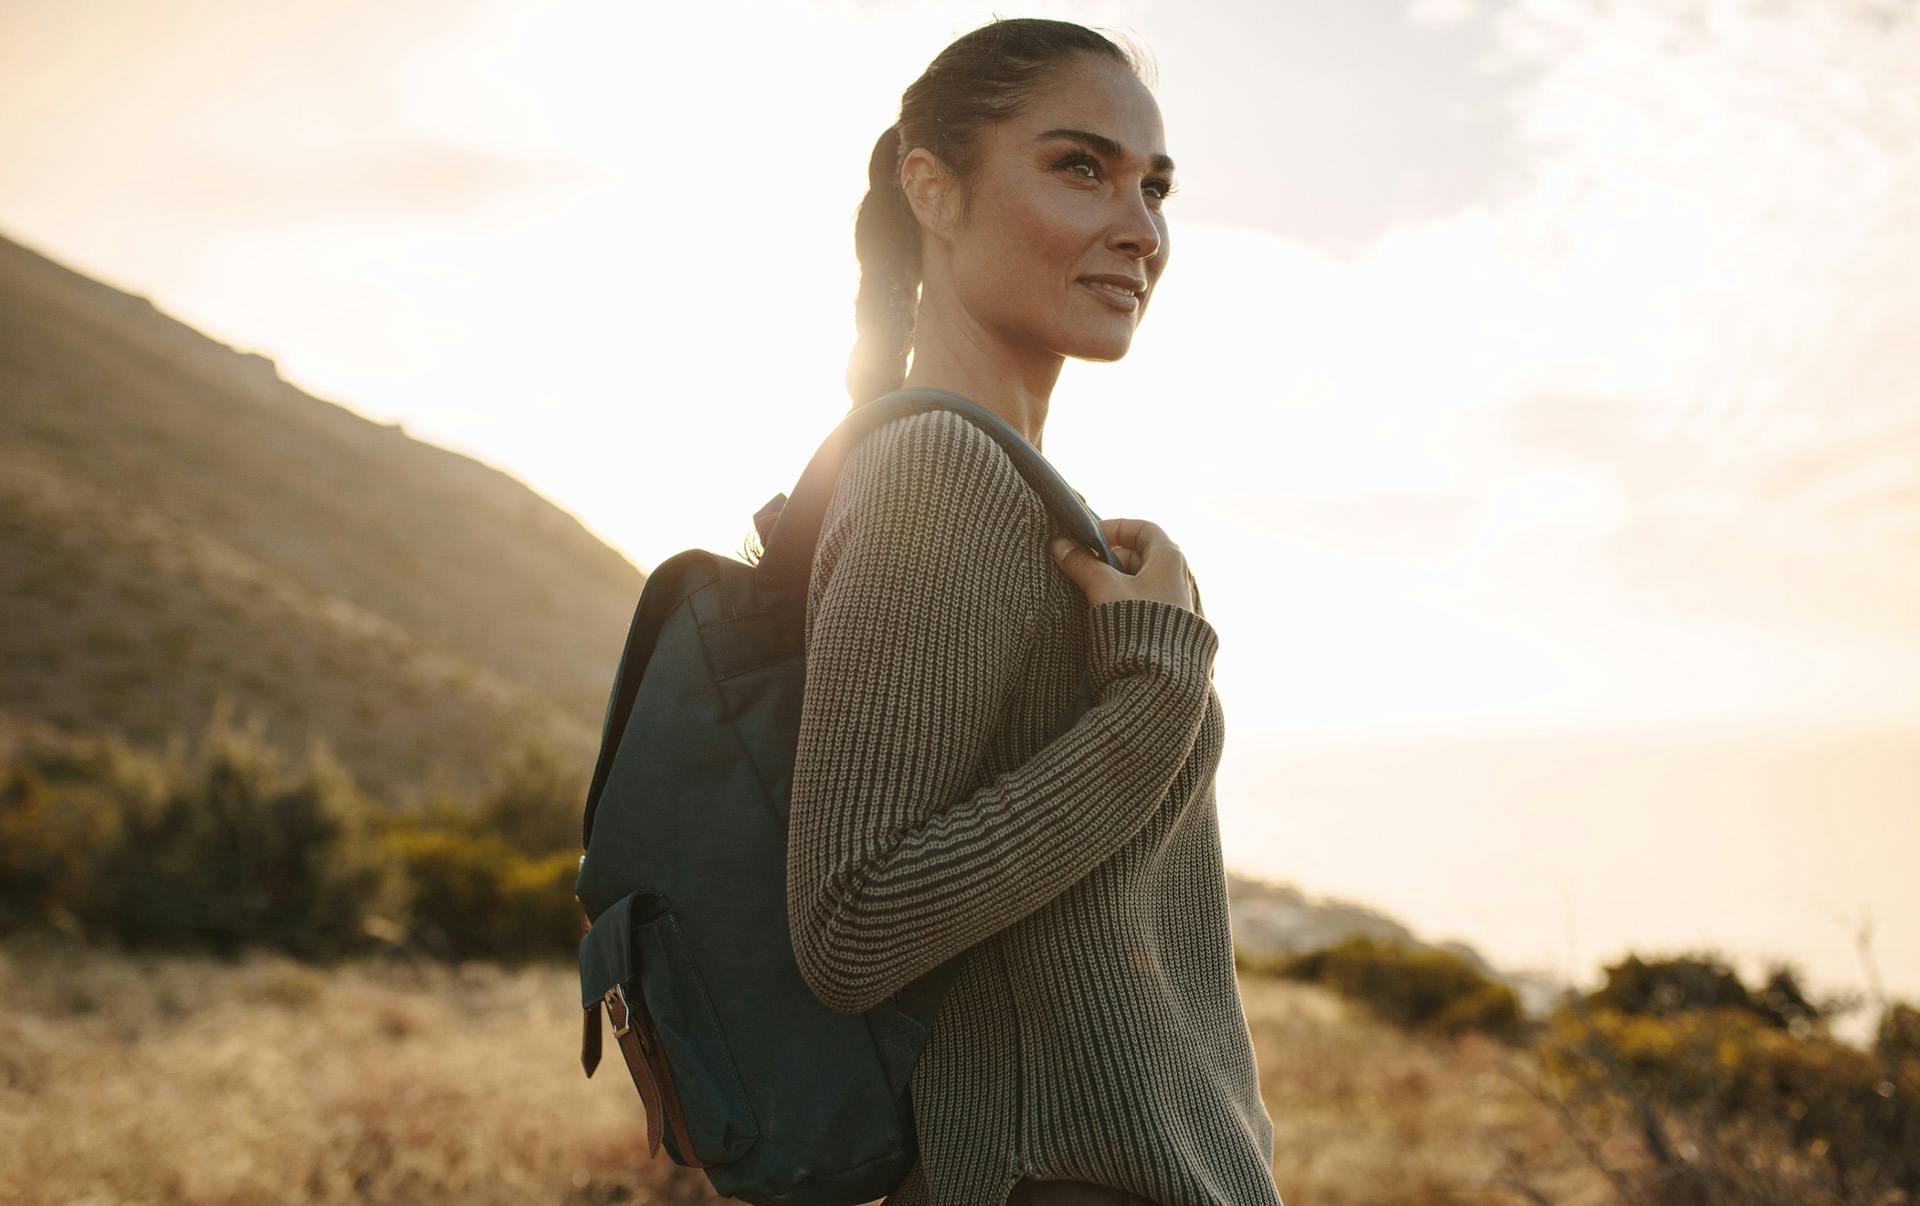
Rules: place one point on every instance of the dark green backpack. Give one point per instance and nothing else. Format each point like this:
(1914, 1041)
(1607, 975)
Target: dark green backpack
(742, 1070)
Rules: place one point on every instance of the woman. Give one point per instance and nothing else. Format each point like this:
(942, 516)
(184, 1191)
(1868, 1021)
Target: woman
(1093, 1049)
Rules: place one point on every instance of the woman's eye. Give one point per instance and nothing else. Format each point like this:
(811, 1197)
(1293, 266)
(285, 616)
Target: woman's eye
(1158, 189)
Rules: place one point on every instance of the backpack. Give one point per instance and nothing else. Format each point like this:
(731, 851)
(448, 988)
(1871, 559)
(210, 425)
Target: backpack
(742, 1071)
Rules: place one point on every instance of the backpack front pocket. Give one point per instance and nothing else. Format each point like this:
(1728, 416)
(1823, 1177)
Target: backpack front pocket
(638, 946)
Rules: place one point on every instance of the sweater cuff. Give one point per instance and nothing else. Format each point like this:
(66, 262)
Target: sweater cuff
(1129, 636)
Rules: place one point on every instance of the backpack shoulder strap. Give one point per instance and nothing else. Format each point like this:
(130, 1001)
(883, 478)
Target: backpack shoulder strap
(796, 530)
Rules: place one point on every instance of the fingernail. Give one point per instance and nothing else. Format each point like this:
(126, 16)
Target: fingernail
(1060, 546)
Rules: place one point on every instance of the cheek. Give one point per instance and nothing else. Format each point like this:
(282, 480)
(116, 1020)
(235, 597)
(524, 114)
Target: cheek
(1028, 258)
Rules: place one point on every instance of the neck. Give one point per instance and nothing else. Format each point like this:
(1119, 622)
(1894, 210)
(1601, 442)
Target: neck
(968, 361)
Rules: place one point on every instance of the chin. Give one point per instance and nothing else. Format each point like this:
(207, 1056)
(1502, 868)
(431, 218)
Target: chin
(1101, 349)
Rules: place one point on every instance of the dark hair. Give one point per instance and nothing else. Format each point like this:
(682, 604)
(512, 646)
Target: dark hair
(984, 77)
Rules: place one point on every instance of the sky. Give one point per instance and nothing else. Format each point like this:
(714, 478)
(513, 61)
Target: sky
(1536, 367)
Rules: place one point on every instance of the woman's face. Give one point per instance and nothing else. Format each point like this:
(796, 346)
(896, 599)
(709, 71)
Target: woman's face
(1048, 210)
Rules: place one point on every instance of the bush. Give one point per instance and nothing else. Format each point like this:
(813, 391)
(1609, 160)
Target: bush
(1417, 988)
(496, 878)
(476, 896)
(1669, 986)
(1740, 1096)
(61, 813)
(32, 856)
(241, 850)
(1897, 1038)
(535, 803)
(234, 847)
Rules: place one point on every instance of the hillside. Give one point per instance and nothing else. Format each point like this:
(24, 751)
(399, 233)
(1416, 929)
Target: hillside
(177, 522)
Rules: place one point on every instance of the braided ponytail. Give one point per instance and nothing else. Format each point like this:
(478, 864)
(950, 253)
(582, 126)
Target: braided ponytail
(886, 240)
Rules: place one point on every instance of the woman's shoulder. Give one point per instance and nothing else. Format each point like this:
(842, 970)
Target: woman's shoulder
(929, 502)
(932, 463)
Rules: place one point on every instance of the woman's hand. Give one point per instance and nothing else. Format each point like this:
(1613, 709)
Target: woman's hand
(1153, 564)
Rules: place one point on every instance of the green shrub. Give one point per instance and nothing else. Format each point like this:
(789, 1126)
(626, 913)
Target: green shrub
(32, 856)
(236, 847)
(1897, 1037)
(1667, 986)
(61, 818)
(1263, 963)
(471, 896)
(546, 917)
(1745, 1078)
(534, 803)
(240, 850)
(1418, 988)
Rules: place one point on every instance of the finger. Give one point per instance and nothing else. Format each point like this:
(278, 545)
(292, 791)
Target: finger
(1140, 534)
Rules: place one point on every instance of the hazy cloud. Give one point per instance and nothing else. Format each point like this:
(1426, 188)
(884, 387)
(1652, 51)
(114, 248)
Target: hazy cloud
(393, 177)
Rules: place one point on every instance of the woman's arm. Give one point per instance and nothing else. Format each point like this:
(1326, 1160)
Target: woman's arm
(933, 555)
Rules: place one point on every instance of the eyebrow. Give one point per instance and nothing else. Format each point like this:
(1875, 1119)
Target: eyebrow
(1106, 146)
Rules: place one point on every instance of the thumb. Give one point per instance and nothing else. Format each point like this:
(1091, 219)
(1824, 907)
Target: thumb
(1076, 560)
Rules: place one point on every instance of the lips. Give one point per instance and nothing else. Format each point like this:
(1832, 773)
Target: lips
(1120, 298)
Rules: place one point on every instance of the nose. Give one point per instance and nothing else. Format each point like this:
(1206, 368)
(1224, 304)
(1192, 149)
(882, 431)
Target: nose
(1134, 232)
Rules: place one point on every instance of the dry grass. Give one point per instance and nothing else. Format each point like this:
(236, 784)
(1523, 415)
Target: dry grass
(1367, 1113)
(184, 1079)
(180, 1078)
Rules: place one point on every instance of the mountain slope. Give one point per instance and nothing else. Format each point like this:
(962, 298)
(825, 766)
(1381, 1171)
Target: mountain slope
(177, 522)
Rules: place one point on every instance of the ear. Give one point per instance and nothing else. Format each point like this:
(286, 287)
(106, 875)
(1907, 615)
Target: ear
(931, 191)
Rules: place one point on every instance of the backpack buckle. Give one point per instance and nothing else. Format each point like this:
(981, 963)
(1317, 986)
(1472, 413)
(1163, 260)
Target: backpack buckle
(623, 1020)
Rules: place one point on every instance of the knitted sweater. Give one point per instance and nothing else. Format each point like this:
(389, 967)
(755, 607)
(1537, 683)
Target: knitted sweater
(1096, 1032)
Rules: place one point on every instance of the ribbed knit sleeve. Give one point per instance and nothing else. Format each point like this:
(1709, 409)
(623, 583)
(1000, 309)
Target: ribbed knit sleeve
(922, 610)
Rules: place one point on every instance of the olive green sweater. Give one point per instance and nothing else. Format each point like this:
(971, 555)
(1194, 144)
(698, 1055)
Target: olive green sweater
(1096, 1032)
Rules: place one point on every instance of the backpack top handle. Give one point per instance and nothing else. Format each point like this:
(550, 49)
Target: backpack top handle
(789, 554)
